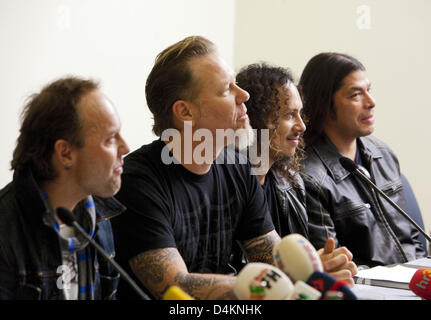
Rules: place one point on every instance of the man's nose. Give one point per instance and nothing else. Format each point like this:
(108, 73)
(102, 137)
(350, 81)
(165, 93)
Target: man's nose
(242, 95)
(123, 147)
(371, 103)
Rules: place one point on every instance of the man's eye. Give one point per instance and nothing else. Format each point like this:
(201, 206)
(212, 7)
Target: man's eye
(111, 140)
(225, 90)
(288, 115)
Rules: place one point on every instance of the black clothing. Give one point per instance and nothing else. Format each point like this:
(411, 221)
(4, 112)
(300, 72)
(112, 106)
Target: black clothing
(30, 253)
(341, 206)
(200, 215)
(286, 204)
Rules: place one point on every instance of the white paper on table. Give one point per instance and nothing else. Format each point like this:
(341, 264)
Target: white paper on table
(397, 273)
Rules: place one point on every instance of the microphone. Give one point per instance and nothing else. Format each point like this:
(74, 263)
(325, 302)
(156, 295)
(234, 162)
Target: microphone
(296, 257)
(68, 218)
(330, 287)
(176, 293)
(262, 281)
(302, 291)
(352, 167)
(419, 283)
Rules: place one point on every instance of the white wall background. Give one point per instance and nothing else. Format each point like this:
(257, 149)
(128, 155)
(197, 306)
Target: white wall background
(114, 41)
(393, 40)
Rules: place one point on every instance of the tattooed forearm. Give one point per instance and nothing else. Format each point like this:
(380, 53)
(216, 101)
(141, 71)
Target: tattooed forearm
(260, 249)
(207, 286)
(162, 268)
(150, 266)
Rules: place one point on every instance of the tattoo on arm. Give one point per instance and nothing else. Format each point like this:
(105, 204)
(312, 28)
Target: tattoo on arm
(259, 249)
(151, 268)
(207, 286)
(159, 269)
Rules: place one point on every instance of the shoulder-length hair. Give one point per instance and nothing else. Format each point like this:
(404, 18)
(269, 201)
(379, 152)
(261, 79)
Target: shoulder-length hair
(262, 81)
(322, 77)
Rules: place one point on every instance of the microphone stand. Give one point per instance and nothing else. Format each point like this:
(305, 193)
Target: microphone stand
(67, 217)
(363, 177)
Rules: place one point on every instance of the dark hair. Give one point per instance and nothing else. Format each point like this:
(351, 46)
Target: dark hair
(322, 77)
(171, 79)
(48, 116)
(261, 81)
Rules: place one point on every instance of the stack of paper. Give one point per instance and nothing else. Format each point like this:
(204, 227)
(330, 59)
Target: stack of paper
(393, 277)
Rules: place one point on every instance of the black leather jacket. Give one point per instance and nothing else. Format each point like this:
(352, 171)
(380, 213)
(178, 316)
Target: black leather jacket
(30, 251)
(291, 199)
(341, 206)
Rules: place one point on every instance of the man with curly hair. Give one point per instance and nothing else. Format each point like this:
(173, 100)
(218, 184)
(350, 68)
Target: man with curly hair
(275, 105)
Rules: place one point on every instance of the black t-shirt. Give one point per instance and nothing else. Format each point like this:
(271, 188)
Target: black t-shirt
(200, 215)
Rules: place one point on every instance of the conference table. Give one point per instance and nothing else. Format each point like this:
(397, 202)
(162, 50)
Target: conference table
(367, 288)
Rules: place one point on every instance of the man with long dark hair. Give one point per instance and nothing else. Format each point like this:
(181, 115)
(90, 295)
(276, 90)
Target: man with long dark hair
(68, 154)
(340, 112)
(275, 105)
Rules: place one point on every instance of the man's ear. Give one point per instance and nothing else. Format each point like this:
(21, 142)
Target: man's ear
(183, 111)
(63, 154)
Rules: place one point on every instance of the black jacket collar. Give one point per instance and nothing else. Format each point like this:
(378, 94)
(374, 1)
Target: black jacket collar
(330, 155)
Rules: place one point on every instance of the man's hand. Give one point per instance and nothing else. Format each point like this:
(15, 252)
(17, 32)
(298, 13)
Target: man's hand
(338, 262)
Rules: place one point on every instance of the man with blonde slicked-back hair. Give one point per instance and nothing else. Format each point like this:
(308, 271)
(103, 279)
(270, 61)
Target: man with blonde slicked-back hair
(183, 218)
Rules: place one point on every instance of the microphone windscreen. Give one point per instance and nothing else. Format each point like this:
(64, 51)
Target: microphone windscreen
(176, 293)
(303, 291)
(261, 281)
(296, 257)
(328, 285)
(321, 281)
(341, 286)
(420, 283)
(66, 216)
(348, 164)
